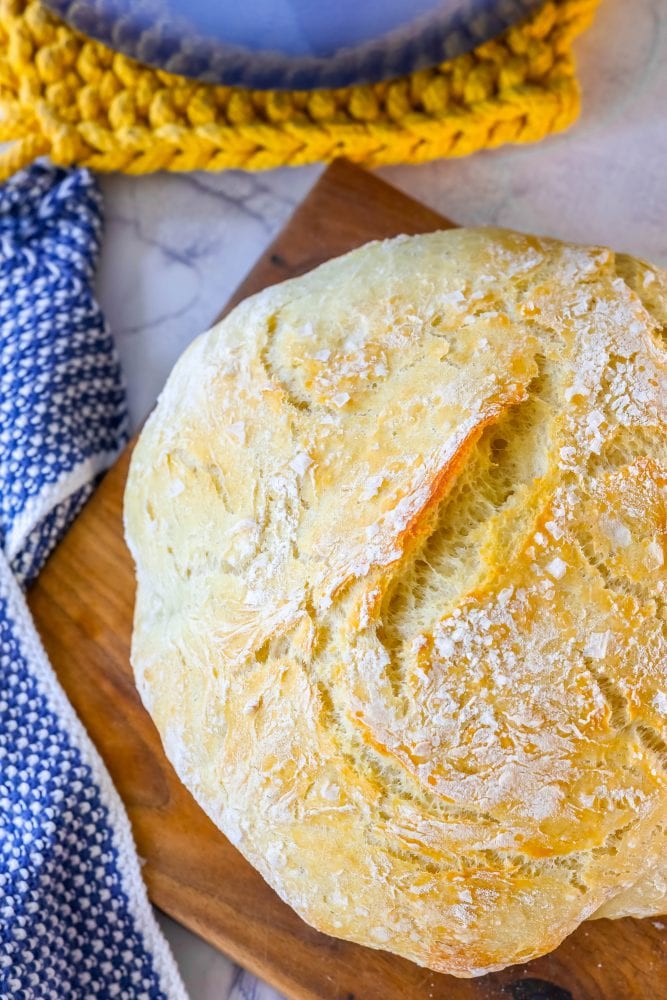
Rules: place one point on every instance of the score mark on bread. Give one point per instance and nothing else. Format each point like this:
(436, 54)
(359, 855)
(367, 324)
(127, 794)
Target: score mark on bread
(399, 528)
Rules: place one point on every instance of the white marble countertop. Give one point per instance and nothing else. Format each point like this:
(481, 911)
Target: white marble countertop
(177, 245)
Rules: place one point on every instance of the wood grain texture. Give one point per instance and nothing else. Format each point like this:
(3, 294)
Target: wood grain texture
(82, 604)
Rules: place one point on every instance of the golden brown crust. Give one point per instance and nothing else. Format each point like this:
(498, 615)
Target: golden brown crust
(399, 528)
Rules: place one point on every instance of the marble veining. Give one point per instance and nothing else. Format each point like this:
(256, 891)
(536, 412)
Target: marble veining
(176, 246)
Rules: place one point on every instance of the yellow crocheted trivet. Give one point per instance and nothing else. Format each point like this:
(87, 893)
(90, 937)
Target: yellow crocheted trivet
(77, 101)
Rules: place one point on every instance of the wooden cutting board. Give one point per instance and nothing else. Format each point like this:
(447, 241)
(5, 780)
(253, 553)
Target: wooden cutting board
(82, 604)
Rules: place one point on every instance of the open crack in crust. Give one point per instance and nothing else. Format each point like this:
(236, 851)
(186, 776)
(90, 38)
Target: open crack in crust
(399, 528)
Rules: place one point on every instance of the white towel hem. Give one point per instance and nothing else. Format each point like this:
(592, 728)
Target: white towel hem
(39, 506)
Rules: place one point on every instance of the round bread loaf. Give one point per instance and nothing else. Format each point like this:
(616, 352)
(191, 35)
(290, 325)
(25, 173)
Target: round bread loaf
(399, 528)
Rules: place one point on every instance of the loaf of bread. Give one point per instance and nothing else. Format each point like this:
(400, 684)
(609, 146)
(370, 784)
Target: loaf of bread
(399, 530)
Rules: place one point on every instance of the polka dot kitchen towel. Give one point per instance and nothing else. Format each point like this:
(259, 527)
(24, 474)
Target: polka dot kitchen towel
(74, 918)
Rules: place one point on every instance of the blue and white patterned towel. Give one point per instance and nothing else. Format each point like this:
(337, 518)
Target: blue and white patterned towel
(74, 918)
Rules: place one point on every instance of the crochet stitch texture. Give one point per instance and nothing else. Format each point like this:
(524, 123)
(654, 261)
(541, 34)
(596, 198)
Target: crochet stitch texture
(77, 101)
